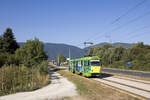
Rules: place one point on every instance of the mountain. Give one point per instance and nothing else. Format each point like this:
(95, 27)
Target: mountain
(126, 45)
(54, 49)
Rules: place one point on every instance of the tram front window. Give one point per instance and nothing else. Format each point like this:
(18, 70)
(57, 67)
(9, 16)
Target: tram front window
(95, 63)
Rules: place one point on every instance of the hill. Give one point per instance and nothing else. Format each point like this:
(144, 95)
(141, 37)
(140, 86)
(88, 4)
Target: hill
(126, 45)
(54, 49)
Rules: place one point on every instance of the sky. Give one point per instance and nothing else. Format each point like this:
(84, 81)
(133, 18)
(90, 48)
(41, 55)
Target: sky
(76, 21)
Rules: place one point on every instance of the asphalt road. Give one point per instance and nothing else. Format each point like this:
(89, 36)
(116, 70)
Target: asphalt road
(143, 74)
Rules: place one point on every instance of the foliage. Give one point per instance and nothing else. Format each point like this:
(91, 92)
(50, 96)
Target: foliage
(21, 69)
(116, 57)
(31, 53)
(8, 42)
(61, 58)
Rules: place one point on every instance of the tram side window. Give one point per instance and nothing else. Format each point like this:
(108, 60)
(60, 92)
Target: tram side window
(76, 63)
(86, 63)
(79, 63)
(82, 63)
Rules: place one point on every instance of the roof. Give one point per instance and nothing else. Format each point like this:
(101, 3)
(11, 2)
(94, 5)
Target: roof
(85, 58)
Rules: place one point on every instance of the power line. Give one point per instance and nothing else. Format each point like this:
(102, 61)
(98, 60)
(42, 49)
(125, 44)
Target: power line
(128, 11)
(123, 15)
(137, 35)
(129, 22)
(144, 27)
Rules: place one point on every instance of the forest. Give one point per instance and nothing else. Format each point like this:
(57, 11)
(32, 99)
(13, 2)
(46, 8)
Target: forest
(137, 55)
(22, 68)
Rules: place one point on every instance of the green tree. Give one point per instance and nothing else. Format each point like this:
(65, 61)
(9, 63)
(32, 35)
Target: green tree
(118, 53)
(1, 44)
(61, 58)
(140, 45)
(8, 42)
(31, 53)
(107, 45)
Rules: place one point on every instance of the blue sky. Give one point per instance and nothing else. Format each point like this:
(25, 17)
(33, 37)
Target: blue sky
(75, 21)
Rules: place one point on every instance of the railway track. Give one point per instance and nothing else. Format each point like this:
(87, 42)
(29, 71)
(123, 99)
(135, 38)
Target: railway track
(140, 88)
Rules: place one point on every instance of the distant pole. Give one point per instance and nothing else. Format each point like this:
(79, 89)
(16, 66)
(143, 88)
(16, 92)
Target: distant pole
(58, 59)
(69, 54)
(85, 43)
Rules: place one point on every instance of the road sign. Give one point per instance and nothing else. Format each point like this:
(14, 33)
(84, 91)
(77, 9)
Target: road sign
(128, 64)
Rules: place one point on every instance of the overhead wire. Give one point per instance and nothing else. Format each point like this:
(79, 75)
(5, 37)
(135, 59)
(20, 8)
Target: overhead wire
(129, 22)
(137, 35)
(128, 11)
(120, 17)
(123, 15)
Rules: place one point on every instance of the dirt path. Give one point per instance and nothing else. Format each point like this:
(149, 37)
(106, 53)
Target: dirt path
(60, 87)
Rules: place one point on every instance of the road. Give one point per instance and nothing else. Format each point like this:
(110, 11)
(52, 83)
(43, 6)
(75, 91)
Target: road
(143, 74)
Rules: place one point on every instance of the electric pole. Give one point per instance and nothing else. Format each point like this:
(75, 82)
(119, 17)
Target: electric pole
(85, 43)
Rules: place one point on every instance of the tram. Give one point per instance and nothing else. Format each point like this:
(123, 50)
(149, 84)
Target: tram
(87, 66)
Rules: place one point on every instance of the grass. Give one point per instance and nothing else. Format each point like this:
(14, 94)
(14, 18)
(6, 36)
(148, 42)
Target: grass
(93, 90)
(20, 78)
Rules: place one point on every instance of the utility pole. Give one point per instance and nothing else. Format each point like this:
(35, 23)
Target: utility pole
(85, 43)
(69, 54)
(58, 60)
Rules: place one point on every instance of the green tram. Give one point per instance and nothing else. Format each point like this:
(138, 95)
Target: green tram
(87, 66)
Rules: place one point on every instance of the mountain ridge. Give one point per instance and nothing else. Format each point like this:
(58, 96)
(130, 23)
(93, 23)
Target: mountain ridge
(54, 49)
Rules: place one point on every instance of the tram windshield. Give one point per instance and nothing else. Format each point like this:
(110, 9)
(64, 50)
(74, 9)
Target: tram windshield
(95, 63)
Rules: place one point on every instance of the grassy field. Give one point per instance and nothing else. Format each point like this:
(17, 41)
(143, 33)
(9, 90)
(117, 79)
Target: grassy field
(93, 90)
(19, 78)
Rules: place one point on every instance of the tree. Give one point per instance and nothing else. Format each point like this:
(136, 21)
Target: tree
(118, 53)
(31, 53)
(1, 44)
(140, 45)
(107, 45)
(8, 42)
(61, 58)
